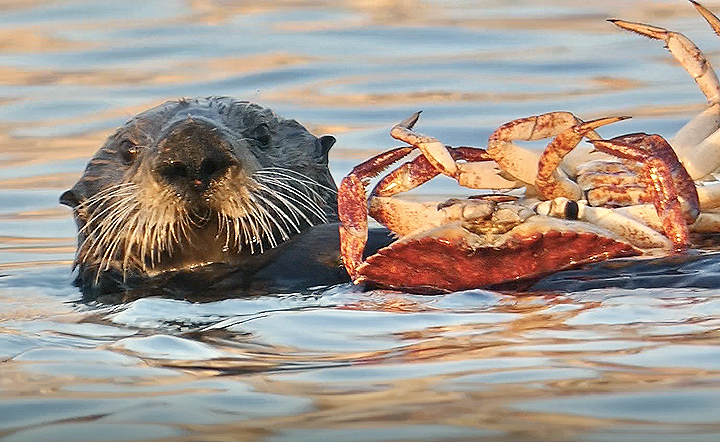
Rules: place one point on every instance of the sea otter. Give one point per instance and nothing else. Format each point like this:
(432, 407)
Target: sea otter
(212, 190)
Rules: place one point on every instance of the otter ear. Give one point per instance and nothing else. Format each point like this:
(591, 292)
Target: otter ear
(326, 142)
(70, 198)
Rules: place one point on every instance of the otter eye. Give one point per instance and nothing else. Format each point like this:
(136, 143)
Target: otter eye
(128, 152)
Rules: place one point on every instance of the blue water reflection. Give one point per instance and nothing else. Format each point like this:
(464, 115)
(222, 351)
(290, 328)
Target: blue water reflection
(337, 363)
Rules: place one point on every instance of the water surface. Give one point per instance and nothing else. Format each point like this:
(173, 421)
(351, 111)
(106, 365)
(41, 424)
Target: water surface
(590, 364)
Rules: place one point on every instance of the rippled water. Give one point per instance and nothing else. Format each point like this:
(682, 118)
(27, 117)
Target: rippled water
(589, 364)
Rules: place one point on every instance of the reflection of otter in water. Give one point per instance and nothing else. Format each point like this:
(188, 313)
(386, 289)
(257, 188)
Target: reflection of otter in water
(194, 182)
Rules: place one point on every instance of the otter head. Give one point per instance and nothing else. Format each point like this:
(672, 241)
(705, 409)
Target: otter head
(200, 181)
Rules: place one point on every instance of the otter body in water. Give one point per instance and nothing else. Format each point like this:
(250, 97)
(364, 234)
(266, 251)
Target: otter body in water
(197, 184)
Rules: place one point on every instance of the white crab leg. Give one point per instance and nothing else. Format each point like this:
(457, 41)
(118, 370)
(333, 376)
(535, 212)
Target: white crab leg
(686, 140)
(696, 143)
(434, 150)
(405, 217)
(712, 20)
(703, 159)
(472, 174)
(706, 223)
(684, 51)
(709, 195)
(484, 175)
(634, 231)
(520, 162)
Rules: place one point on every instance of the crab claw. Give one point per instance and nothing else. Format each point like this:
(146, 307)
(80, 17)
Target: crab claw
(352, 206)
(684, 50)
(435, 151)
(711, 18)
(660, 172)
(549, 182)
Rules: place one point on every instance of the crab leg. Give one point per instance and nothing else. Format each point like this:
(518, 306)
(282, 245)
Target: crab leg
(631, 226)
(472, 174)
(685, 51)
(520, 162)
(709, 195)
(550, 182)
(712, 20)
(403, 216)
(698, 153)
(420, 170)
(658, 177)
(434, 150)
(352, 206)
(523, 163)
(684, 184)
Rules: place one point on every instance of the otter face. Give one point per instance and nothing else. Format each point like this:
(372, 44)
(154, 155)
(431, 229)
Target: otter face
(199, 181)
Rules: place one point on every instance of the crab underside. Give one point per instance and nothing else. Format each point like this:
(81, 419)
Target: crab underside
(451, 257)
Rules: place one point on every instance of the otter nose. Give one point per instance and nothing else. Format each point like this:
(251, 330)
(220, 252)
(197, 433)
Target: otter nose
(192, 155)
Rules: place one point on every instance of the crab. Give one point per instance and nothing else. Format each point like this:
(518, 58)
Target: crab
(498, 238)
(645, 195)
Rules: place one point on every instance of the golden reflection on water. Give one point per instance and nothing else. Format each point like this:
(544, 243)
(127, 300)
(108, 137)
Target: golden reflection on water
(344, 365)
(474, 376)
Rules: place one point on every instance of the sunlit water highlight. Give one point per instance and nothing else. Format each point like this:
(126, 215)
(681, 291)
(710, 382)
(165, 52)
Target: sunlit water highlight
(590, 364)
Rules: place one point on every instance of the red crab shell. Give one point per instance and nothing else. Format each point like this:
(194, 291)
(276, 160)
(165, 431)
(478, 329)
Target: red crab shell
(451, 257)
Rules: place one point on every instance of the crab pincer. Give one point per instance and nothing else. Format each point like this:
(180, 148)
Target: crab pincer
(665, 178)
(549, 181)
(352, 206)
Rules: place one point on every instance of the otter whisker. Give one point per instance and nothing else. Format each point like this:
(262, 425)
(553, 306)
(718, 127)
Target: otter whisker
(250, 225)
(286, 186)
(309, 205)
(262, 217)
(103, 231)
(172, 237)
(260, 223)
(111, 240)
(298, 177)
(291, 190)
(184, 225)
(98, 234)
(132, 226)
(237, 227)
(97, 214)
(288, 183)
(165, 242)
(258, 228)
(237, 211)
(282, 229)
(128, 225)
(224, 224)
(308, 185)
(303, 206)
(107, 193)
(96, 229)
(151, 233)
(95, 204)
(272, 194)
(98, 208)
(267, 229)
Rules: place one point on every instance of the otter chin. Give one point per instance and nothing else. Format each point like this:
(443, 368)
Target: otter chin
(207, 183)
